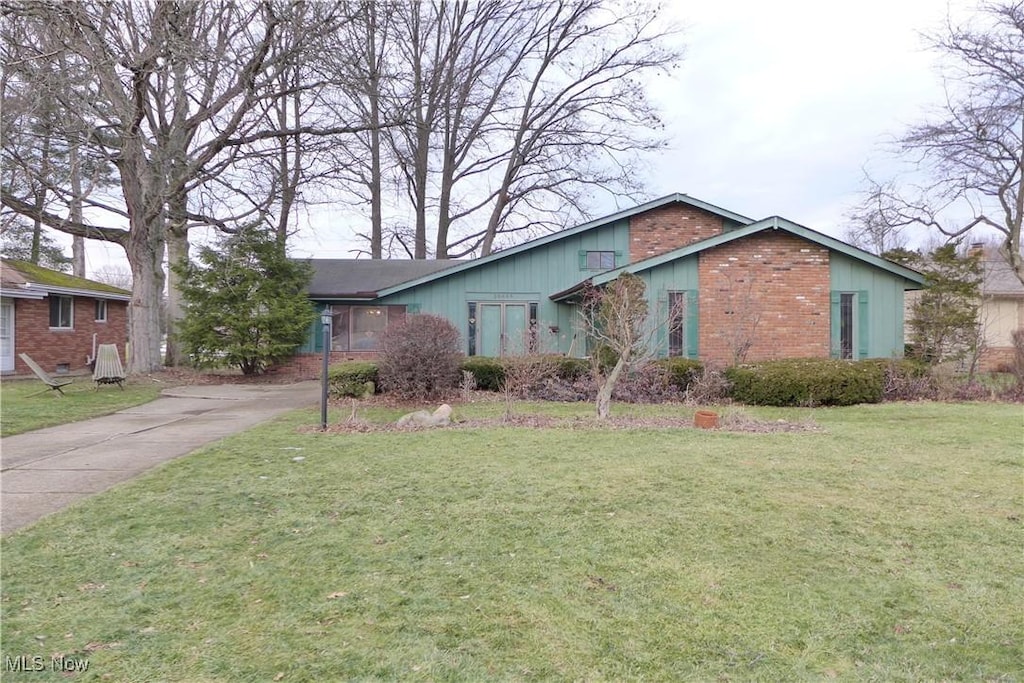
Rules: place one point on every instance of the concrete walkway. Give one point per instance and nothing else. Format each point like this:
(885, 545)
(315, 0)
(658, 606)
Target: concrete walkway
(44, 471)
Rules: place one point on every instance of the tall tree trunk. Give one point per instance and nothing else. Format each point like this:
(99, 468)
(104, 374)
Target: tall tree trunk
(77, 242)
(142, 186)
(604, 392)
(177, 253)
(374, 95)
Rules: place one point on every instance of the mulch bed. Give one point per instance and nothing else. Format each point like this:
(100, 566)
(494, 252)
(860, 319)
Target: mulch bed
(730, 422)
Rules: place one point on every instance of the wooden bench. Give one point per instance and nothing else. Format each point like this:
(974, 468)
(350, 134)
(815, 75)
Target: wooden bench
(44, 377)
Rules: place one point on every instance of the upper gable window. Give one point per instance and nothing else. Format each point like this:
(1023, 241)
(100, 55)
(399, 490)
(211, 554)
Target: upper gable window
(600, 260)
(62, 312)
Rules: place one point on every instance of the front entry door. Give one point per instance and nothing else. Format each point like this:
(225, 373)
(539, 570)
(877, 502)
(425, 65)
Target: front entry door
(502, 329)
(6, 336)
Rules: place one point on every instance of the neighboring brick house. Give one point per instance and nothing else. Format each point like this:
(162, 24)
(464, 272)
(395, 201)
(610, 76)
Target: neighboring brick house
(57, 319)
(733, 287)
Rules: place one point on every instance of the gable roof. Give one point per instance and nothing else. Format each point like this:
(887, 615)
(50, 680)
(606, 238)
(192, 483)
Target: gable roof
(363, 278)
(21, 279)
(563, 234)
(770, 223)
(1000, 280)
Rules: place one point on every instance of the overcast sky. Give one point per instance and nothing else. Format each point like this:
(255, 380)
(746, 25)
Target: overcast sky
(776, 108)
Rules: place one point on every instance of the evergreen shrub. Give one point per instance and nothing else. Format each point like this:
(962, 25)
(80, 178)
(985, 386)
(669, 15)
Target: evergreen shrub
(807, 382)
(353, 378)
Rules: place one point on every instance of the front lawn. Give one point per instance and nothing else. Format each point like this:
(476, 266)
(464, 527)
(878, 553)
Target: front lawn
(23, 408)
(884, 546)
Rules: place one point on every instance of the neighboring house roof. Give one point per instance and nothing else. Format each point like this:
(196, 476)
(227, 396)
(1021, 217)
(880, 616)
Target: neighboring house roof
(772, 223)
(24, 280)
(364, 278)
(1000, 280)
(554, 237)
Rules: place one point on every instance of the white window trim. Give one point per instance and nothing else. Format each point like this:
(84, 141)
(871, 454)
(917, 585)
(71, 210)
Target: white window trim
(106, 306)
(71, 318)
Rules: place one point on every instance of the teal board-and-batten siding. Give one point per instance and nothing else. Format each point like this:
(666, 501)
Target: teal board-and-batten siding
(530, 276)
(879, 297)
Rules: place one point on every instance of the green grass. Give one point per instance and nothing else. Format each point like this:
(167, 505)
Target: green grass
(885, 547)
(23, 408)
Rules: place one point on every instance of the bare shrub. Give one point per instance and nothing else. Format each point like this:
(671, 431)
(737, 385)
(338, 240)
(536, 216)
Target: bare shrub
(468, 385)
(708, 386)
(420, 357)
(648, 384)
(907, 381)
(522, 374)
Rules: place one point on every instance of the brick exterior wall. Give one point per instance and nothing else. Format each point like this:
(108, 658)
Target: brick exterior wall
(996, 359)
(309, 365)
(770, 289)
(669, 227)
(50, 347)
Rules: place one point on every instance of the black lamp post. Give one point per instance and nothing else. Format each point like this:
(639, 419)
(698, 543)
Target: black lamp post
(325, 324)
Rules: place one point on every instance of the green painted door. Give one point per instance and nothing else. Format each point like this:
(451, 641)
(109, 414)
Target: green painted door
(516, 343)
(501, 329)
(489, 328)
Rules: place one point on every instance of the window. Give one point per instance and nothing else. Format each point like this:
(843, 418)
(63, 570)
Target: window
(101, 310)
(677, 324)
(62, 312)
(600, 260)
(357, 328)
(846, 325)
(366, 326)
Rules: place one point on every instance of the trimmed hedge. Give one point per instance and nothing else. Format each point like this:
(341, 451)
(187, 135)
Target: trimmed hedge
(488, 372)
(681, 371)
(352, 378)
(808, 382)
(569, 368)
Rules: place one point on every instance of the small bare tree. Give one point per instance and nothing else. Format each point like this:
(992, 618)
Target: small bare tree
(617, 318)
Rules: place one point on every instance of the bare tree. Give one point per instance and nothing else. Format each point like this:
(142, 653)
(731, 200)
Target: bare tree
(118, 276)
(175, 96)
(617, 317)
(868, 226)
(974, 149)
(513, 113)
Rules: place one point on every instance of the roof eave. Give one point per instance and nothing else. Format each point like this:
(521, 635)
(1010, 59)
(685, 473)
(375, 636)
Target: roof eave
(911, 277)
(554, 237)
(76, 291)
(22, 292)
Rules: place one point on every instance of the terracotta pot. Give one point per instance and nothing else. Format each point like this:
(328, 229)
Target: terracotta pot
(705, 419)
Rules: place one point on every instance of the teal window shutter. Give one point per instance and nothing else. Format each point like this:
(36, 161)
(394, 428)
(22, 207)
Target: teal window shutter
(834, 342)
(863, 324)
(661, 336)
(618, 259)
(692, 323)
(412, 309)
(583, 259)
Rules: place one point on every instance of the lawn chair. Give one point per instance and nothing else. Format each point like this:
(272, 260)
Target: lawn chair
(52, 383)
(108, 368)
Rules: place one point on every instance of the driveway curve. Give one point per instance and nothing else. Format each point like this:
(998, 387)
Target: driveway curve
(44, 471)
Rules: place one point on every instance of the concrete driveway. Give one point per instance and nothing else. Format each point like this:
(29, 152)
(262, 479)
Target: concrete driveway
(44, 471)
